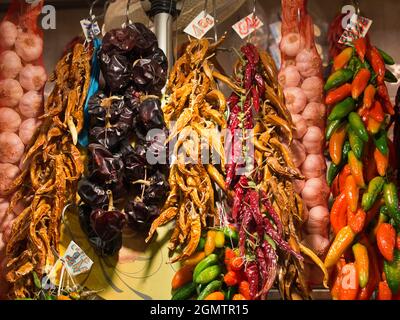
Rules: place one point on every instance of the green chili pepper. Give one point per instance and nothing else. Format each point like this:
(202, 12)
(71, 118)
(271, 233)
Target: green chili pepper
(204, 264)
(355, 65)
(338, 78)
(390, 77)
(208, 275)
(356, 143)
(392, 272)
(380, 140)
(184, 292)
(230, 292)
(211, 287)
(392, 201)
(331, 128)
(386, 57)
(342, 109)
(335, 169)
(231, 235)
(374, 188)
(200, 246)
(358, 126)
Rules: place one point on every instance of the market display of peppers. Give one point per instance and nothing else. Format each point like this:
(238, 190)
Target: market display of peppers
(365, 213)
(263, 178)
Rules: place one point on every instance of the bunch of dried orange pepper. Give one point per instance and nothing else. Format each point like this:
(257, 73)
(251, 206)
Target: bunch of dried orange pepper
(365, 216)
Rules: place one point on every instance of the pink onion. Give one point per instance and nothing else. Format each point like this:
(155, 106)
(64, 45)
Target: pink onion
(315, 192)
(28, 129)
(313, 166)
(10, 93)
(295, 99)
(11, 148)
(291, 44)
(10, 65)
(313, 140)
(8, 34)
(318, 221)
(308, 63)
(316, 243)
(30, 104)
(289, 77)
(312, 88)
(300, 126)
(298, 153)
(314, 113)
(32, 77)
(8, 173)
(29, 46)
(9, 120)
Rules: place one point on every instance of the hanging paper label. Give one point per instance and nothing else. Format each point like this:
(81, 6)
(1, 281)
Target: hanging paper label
(90, 29)
(247, 25)
(75, 260)
(357, 28)
(200, 25)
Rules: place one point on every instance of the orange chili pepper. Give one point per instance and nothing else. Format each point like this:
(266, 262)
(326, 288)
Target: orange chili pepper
(356, 221)
(342, 58)
(229, 255)
(342, 177)
(350, 282)
(376, 112)
(384, 292)
(237, 263)
(386, 240)
(384, 94)
(351, 191)
(182, 276)
(336, 284)
(195, 258)
(356, 168)
(244, 290)
(360, 82)
(336, 95)
(377, 63)
(336, 144)
(362, 263)
(209, 246)
(238, 296)
(373, 126)
(231, 278)
(217, 295)
(360, 45)
(382, 162)
(369, 96)
(338, 216)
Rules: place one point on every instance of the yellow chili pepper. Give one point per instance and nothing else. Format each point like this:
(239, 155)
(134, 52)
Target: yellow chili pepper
(195, 258)
(356, 169)
(342, 58)
(373, 126)
(342, 241)
(219, 239)
(336, 144)
(362, 263)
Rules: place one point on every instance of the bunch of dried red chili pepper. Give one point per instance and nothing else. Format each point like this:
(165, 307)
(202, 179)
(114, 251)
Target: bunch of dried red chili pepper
(265, 207)
(365, 215)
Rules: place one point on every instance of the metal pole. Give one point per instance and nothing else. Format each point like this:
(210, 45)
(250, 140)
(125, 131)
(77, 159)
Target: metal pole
(163, 30)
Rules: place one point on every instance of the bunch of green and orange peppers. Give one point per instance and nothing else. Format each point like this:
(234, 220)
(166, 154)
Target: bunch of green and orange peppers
(215, 271)
(365, 217)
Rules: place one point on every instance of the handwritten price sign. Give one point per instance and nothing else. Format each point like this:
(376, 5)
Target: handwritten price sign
(247, 25)
(76, 260)
(357, 28)
(200, 25)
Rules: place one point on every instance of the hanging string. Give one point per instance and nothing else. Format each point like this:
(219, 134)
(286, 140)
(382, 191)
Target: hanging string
(215, 20)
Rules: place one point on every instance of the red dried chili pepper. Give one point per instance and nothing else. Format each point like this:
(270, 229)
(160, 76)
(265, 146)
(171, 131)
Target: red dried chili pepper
(377, 63)
(256, 98)
(252, 274)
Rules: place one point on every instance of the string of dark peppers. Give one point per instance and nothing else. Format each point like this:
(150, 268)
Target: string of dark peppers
(120, 187)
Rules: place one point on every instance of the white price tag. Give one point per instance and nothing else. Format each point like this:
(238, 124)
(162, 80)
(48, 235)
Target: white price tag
(200, 25)
(90, 30)
(357, 28)
(75, 260)
(247, 25)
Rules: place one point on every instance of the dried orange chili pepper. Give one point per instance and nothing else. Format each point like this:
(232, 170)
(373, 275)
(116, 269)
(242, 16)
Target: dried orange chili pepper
(369, 96)
(360, 82)
(382, 162)
(336, 144)
(338, 215)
